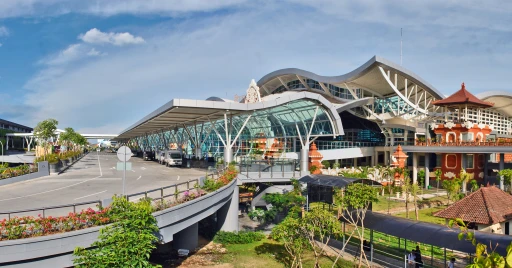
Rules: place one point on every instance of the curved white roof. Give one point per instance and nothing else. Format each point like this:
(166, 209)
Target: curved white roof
(366, 76)
(502, 100)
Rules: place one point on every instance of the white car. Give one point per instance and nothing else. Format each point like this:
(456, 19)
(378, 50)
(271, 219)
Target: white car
(173, 158)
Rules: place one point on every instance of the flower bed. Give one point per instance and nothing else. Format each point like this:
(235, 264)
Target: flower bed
(28, 226)
(10, 172)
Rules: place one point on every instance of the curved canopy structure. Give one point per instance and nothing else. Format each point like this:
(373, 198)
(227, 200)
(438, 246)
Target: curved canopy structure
(502, 100)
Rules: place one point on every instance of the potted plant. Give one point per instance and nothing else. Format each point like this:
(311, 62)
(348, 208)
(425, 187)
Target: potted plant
(53, 162)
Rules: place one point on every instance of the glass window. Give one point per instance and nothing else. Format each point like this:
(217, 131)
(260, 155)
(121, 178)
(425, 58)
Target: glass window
(470, 161)
(438, 160)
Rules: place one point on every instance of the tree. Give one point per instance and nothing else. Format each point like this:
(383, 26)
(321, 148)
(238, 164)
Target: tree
(289, 201)
(319, 224)
(353, 203)
(507, 177)
(44, 131)
(464, 177)
(67, 137)
(483, 258)
(289, 232)
(127, 242)
(452, 188)
(415, 188)
(438, 174)
(406, 187)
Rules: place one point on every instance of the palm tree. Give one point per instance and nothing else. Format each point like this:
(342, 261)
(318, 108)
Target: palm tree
(438, 174)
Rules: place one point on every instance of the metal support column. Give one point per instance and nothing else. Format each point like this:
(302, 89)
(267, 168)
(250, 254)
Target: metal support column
(427, 170)
(414, 167)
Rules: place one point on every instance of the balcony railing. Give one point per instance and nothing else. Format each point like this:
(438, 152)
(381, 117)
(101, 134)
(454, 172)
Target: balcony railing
(331, 145)
(462, 143)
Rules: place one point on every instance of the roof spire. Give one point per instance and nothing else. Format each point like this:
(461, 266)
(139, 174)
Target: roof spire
(463, 86)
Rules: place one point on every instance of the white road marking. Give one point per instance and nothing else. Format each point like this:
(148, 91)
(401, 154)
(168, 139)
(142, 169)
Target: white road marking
(143, 168)
(49, 191)
(133, 170)
(90, 195)
(99, 164)
(138, 178)
(178, 178)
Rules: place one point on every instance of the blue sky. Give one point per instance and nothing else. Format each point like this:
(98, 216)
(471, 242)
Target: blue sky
(99, 66)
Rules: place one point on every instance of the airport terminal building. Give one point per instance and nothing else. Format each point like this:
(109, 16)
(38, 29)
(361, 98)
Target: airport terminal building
(354, 119)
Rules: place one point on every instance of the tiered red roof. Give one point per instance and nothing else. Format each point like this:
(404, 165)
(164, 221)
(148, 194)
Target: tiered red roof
(488, 205)
(462, 98)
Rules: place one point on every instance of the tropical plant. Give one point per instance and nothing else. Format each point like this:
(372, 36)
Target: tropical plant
(127, 242)
(482, 257)
(313, 169)
(336, 165)
(44, 131)
(421, 177)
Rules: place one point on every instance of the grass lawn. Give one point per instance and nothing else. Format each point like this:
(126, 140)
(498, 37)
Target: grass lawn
(269, 254)
(425, 215)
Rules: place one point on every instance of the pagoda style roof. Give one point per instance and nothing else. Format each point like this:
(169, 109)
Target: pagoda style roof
(463, 98)
(488, 205)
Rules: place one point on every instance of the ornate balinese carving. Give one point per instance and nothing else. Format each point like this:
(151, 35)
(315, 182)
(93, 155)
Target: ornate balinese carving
(253, 93)
(449, 174)
(449, 124)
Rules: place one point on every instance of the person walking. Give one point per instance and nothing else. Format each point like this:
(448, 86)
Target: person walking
(417, 259)
(451, 264)
(410, 258)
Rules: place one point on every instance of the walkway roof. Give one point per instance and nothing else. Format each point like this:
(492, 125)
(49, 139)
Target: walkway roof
(180, 112)
(432, 234)
(334, 181)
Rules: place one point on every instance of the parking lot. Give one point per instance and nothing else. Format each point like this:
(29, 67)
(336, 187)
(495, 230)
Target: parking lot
(94, 177)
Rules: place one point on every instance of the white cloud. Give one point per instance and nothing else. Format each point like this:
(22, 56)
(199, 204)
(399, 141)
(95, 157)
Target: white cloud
(1, 44)
(93, 52)
(39, 8)
(4, 31)
(95, 36)
(71, 53)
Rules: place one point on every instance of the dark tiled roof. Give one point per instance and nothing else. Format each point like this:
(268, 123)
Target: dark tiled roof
(462, 97)
(5, 122)
(488, 205)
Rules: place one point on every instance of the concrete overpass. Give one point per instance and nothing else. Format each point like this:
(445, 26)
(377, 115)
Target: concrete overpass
(178, 224)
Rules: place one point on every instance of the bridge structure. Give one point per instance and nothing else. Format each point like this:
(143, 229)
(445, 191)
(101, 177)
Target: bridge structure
(30, 138)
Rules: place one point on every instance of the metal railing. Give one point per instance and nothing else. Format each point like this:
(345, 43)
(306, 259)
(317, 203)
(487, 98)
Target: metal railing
(332, 145)
(161, 191)
(44, 209)
(179, 189)
(270, 167)
(462, 143)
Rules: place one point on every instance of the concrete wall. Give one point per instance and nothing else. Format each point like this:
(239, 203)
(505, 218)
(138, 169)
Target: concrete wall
(42, 170)
(56, 250)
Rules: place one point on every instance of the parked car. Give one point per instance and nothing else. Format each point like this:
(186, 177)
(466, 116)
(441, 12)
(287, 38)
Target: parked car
(148, 155)
(173, 158)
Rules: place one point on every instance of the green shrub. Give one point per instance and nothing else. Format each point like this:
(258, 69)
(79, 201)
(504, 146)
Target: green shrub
(326, 164)
(211, 185)
(238, 238)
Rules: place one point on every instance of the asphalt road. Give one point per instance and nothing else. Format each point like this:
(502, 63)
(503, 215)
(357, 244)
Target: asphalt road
(94, 177)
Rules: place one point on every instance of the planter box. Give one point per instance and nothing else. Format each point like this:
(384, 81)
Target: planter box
(55, 168)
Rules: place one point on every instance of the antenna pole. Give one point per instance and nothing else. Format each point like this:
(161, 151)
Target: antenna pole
(400, 46)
